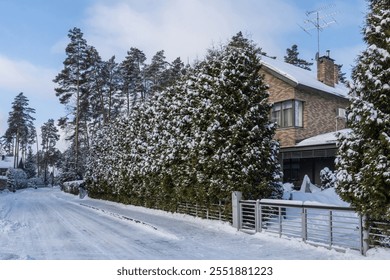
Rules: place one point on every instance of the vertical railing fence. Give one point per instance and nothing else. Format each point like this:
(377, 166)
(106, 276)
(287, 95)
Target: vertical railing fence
(218, 211)
(321, 225)
(379, 233)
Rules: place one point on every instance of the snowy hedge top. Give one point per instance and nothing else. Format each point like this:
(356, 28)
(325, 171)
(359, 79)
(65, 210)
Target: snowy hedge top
(7, 162)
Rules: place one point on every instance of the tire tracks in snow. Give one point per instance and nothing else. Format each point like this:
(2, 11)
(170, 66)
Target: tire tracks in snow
(119, 216)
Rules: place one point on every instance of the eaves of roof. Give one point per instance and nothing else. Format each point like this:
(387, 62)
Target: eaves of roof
(301, 79)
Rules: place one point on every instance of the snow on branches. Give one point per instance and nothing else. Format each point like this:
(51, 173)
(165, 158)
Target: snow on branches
(197, 140)
(363, 160)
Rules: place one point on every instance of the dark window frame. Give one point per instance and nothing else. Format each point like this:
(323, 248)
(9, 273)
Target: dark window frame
(284, 113)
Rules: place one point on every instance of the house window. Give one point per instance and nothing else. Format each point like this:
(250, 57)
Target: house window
(288, 113)
(291, 169)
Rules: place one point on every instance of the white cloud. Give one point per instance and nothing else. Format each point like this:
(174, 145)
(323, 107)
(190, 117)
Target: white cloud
(185, 28)
(35, 82)
(22, 76)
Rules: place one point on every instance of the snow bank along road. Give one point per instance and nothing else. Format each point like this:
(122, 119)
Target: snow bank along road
(47, 224)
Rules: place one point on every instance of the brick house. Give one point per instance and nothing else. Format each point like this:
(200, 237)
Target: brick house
(305, 104)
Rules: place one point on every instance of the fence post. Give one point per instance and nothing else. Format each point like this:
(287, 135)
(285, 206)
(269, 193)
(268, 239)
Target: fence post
(330, 229)
(260, 217)
(364, 235)
(304, 224)
(280, 221)
(257, 216)
(236, 215)
(220, 210)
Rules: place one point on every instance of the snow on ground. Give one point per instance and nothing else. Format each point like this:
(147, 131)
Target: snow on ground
(326, 197)
(47, 224)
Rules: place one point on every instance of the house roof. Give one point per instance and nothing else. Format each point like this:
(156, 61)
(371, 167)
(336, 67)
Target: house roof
(8, 162)
(323, 139)
(297, 76)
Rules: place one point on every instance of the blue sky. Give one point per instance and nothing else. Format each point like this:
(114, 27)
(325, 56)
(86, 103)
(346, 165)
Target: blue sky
(34, 36)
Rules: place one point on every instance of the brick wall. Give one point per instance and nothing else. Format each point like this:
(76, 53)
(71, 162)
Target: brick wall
(319, 110)
(279, 90)
(326, 71)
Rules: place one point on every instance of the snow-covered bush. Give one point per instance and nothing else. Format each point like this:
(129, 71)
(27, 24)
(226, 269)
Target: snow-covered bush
(72, 187)
(16, 178)
(35, 182)
(328, 178)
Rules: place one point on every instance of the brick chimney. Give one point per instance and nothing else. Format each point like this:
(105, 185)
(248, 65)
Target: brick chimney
(326, 70)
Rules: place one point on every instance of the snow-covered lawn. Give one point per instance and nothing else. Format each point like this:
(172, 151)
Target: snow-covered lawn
(47, 224)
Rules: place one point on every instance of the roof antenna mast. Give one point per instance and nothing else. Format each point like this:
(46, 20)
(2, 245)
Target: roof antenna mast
(318, 20)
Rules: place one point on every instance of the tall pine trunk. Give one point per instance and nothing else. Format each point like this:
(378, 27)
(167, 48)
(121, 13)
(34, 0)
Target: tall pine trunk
(77, 125)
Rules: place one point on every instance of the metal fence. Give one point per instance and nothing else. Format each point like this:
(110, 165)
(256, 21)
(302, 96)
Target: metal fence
(379, 233)
(219, 211)
(329, 226)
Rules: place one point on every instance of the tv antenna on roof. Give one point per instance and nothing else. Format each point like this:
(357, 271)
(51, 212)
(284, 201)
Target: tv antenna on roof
(319, 21)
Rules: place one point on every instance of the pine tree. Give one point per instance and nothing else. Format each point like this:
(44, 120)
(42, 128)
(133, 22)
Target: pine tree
(31, 164)
(154, 73)
(21, 131)
(132, 71)
(104, 80)
(113, 80)
(174, 73)
(363, 161)
(292, 58)
(341, 76)
(97, 86)
(50, 153)
(73, 92)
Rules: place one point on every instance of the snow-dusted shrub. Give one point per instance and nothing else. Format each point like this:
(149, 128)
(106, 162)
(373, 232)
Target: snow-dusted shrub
(72, 187)
(35, 182)
(328, 178)
(16, 178)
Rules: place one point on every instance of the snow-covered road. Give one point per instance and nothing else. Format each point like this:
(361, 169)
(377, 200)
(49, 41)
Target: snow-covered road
(47, 224)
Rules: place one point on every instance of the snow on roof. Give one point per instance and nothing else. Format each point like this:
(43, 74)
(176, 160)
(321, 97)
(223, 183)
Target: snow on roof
(300, 76)
(322, 139)
(8, 162)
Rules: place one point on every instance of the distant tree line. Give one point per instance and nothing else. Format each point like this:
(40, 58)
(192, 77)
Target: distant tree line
(19, 139)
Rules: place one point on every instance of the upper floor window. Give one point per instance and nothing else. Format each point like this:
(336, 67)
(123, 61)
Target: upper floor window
(288, 113)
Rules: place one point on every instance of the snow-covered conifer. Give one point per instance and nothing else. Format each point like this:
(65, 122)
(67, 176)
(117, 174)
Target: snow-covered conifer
(363, 159)
(31, 164)
(328, 178)
(236, 149)
(196, 139)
